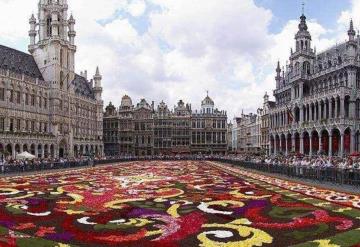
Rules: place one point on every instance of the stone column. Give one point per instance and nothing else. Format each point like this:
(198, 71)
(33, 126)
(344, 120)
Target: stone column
(330, 146)
(286, 146)
(320, 111)
(301, 144)
(330, 109)
(36, 151)
(293, 143)
(13, 151)
(301, 114)
(352, 110)
(43, 151)
(342, 107)
(352, 143)
(281, 150)
(342, 145)
(311, 147)
(320, 142)
(336, 109)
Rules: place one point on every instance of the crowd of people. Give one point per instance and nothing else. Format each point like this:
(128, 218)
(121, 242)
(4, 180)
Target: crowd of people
(349, 162)
(9, 165)
(294, 165)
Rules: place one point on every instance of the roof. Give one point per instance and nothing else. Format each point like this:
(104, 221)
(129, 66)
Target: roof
(19, 62)
(82, 87)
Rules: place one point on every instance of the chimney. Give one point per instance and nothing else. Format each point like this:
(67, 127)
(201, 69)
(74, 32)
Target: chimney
(85, 74)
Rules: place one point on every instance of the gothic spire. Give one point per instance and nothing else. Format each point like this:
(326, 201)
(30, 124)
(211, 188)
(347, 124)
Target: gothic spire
(351, 31)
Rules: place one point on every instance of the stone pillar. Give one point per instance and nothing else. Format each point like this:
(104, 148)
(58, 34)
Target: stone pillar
(320, 143)
(320, 111)
(281, 150)
(43, 151)
(13, 151)
(342, 145)
(336, 109)
(293, 143)
(330, 146)
(293, 113)
(352, 143)
(330, 109)
(311, 147)
(301, 114)
(36, 151)
(301, 144)
(342, 107)
(352, 108)
(275, 146)
(286, 146)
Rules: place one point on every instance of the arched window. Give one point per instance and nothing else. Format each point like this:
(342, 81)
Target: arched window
(302, 45)
(339, 60)
(61, 57)
(48, 27)
(61, 79)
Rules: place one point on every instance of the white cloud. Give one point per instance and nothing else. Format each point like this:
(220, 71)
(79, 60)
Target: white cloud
(136, 8)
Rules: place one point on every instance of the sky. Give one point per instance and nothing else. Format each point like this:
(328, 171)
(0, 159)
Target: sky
(179, 49)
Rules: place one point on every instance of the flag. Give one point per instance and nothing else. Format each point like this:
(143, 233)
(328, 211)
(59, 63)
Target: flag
(290, 115)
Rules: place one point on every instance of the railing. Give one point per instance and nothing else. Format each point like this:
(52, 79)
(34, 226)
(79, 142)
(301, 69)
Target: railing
(319, 174)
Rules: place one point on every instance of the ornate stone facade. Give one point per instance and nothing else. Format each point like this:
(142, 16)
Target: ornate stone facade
(166, 132)
(45, 107)
(248, 133)
(317, 98)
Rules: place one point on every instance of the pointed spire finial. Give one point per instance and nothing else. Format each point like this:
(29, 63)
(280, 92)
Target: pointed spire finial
(351, 31)
(303, 8)
(278, 67)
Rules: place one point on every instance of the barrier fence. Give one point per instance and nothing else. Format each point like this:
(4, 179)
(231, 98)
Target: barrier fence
(320, 174)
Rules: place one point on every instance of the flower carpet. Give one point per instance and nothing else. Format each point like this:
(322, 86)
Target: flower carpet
(177, 203)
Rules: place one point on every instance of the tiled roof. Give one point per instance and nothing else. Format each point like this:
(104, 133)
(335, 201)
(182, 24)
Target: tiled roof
(19, 62)
(82, 87)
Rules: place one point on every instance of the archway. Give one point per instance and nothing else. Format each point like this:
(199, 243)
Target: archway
(277, 143)
(283, 144)
(272, 143)
(315, 142)
(32, 149)
(39, 148)
(8, 150)
(25, 148)
(306, 143)
(347, 141)
(336, 142)
(297, 142)
(325, 142)
(62, 149)
(52, 151)
(46, 151)
(289, 144)
(17, 149)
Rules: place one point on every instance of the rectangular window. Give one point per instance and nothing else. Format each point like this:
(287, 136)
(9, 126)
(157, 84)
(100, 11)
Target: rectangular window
(18, 125)
(11, 98)
(32, 126)
(45, 103)
(18, 97)
(2, 94)
(2, 124)
(11, 125)
(33, 100)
